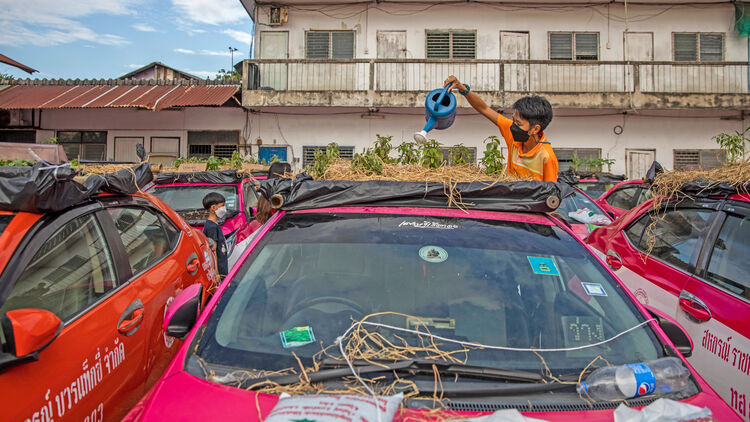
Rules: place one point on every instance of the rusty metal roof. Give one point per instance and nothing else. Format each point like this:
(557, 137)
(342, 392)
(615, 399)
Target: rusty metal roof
(151, 97)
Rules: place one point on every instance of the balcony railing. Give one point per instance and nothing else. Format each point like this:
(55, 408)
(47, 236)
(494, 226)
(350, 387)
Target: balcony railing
(522, 76)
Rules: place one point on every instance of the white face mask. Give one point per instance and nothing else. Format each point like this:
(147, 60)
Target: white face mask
(221, 212)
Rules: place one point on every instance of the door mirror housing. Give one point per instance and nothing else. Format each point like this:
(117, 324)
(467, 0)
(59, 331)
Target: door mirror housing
(27, 332)
(674, 331)
(183, 312)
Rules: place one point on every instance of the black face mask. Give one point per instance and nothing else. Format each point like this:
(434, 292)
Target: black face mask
(519, 135)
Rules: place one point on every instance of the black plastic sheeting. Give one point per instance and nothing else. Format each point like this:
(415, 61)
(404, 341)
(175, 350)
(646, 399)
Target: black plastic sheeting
(653, 171)
(306, 193)
(49, 188)
(570, 177)
(217, 177)
(706, 188)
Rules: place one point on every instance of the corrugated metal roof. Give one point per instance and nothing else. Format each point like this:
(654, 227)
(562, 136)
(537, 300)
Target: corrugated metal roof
(152, 97)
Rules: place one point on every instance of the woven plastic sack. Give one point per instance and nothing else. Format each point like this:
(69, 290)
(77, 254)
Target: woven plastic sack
(335, 408)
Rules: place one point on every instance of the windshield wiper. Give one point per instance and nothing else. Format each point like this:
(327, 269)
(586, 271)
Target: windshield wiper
(339, 369)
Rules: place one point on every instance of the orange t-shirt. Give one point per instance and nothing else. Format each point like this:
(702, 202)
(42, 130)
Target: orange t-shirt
(540, 163)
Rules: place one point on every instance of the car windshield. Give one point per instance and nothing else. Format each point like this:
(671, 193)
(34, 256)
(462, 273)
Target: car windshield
(580, 209)
(187, 200)
(595, 189)
(498, 283)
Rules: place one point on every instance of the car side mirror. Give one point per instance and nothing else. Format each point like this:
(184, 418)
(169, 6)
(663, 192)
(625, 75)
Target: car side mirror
(183, 312)
(27, 332)
(674, 331)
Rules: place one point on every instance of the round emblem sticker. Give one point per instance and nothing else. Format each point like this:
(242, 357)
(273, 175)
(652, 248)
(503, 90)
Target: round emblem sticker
(433, 254)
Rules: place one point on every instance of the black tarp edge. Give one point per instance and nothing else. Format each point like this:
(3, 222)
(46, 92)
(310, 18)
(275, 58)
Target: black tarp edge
(306, 193)
(217, 177)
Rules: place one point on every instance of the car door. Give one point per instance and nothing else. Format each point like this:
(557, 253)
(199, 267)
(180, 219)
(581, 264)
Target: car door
(162, 266)
(715, 308)
(71, 268)
(658, 253)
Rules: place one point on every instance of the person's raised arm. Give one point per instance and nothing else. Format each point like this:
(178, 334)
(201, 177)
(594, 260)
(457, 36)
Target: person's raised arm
(477, 103)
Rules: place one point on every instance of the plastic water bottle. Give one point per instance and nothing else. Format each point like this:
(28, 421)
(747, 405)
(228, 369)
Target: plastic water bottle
(660, 376)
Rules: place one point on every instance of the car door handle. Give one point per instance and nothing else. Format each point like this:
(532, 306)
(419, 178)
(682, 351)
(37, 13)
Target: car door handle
(131, 318)
(694, 307)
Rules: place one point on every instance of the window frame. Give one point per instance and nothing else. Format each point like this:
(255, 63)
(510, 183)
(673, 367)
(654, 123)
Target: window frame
(575, 153)
(698, 54)
(704, 258)
(573, 45)
(698, 151)
(213, 142)
(450, 42)
(323, 147)
(81, 143)
(330, 43)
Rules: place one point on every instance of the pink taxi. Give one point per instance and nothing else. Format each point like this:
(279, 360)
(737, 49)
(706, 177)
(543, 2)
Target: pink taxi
(503, 273)
(184, 192)
(693, 264)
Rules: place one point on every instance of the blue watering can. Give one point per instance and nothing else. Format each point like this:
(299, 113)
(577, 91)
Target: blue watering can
(440, 112)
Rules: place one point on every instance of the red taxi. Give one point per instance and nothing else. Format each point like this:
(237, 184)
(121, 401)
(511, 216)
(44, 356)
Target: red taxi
(83, 292)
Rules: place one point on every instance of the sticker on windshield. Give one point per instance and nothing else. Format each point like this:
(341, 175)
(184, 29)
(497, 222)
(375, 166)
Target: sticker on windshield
(433, 254)
(594, 289)
(297, 336)
(545, 266)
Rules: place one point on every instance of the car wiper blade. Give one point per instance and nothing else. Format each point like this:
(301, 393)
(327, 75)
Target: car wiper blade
(459, 389)
(448, 368)
(339, 371)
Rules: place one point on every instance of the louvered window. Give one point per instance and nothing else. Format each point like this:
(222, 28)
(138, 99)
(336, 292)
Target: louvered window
(698, 159)
(329, 44)
(565, 157)
(447, 155)
(573, 46)
(220, 144)
(690, 47)
(308, 153)
(451, 45)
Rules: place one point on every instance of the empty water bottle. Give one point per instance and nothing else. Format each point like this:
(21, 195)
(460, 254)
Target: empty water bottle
(660, 376)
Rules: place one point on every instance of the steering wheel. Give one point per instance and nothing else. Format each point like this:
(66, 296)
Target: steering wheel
(314, 301)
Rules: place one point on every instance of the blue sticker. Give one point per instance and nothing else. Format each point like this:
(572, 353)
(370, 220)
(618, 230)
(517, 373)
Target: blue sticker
(594, 289)
(544, 266)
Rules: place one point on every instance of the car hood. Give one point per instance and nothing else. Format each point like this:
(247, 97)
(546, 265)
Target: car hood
(185, 397)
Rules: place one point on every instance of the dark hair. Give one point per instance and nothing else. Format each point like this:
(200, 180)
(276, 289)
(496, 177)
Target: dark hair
(212, 198)
(537, 110)
(263, 209)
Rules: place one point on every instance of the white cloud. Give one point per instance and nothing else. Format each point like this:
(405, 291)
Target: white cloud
(135, 66)
(53, 22)
(202, 73)
(240, 36)
(184, 51)
(144, 28)
(212, 12)
(219, 53)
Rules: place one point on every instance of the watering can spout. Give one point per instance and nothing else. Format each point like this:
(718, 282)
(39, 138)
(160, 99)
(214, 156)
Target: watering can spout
(420, 136)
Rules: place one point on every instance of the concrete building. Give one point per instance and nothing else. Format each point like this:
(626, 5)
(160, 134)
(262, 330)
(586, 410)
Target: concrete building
(633, 82)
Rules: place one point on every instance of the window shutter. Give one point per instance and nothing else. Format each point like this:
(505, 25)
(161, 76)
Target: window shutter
(308, 153)
(686, 159)
(342, 45)
(712, 47)
(587, 46)
(561, 46)
(685, 47)
(712, 158)
(464, 45)
(317, 44)
(438, 45)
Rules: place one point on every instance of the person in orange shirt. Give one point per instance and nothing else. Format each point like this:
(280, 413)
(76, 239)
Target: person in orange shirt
(530, 155)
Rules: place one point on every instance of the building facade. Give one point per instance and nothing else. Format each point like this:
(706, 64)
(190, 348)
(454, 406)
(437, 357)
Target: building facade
(632, 83)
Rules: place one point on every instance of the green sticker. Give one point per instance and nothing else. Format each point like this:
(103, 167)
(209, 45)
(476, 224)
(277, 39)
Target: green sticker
(297, 336)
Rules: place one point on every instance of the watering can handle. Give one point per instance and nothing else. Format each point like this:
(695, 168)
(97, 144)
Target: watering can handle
(440, 98)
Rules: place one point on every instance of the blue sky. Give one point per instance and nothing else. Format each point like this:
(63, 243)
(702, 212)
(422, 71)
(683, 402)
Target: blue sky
(109, 38)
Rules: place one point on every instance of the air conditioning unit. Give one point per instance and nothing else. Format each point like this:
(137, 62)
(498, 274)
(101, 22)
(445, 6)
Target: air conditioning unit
(279, 15)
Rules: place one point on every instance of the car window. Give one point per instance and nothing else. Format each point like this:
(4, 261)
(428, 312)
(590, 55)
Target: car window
(536, 288)
(187, 200)
(674, 236)
(142, 234)
(579, 209)
(173, 233)
(644, 195)
(730, 264)
(623, 198)
(250, 197)
(71, 271)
